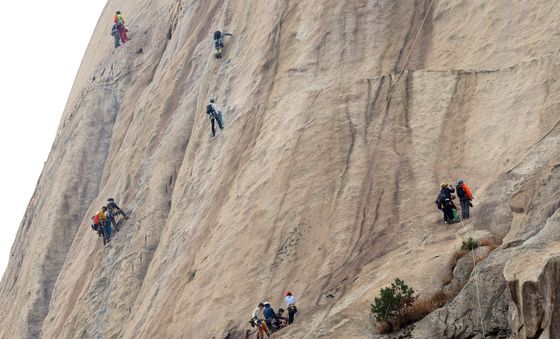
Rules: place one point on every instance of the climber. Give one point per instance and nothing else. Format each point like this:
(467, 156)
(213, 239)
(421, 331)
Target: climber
(113, 210)
(445, 203)
(214, 114)
(440, 203)
(119, 21)
(465, 197)
(257, 320)
(280, 321)
(96, 224)
(274, 320)
(291, 303)
(219, 43)
(269, 314)
(116, 35)
(106, 224)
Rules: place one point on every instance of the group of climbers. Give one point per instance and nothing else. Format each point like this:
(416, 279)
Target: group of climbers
(267, 321)
(104, 220)
(211, 109)
(264, 318)
(119, 30)
(119, 33)
(444, 201)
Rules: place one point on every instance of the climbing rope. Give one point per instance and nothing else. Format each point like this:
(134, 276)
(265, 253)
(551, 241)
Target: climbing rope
(475, 279)
(390, 96)
(392, 89)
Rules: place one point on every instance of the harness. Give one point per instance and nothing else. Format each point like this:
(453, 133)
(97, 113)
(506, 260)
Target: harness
(218, 43)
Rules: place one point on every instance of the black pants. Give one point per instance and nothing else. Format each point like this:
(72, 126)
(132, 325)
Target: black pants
(291, 313)
(465, 208)
(99, 229)
(444, 214)
(448, 214)
(219, 124)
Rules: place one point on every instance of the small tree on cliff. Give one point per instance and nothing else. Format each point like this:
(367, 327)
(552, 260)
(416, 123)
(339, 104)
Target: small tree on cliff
(392, 303)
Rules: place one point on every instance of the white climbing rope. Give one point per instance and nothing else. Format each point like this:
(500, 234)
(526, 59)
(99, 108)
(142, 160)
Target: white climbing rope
(475, 278)
(392, 89)
(391, 92)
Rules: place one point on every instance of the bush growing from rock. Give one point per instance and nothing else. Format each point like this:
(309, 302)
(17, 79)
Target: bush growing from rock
(469, 244)
(393, 303)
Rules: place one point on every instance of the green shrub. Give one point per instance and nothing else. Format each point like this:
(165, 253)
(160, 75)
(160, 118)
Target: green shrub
(393, 303)
(469, 244)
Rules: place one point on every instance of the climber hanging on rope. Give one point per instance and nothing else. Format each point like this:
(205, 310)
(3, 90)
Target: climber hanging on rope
(118, 19)
(219, 43)
(214, 115)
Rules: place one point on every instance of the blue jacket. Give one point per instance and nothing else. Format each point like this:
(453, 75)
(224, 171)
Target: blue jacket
(268, 312)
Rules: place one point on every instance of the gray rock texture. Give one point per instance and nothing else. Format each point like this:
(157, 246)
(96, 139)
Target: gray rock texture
(318, 183)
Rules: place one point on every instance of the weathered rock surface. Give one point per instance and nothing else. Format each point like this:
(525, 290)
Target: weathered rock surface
(318, 183)
(463, 268)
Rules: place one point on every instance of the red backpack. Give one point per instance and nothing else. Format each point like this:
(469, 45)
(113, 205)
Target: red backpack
(96, 219)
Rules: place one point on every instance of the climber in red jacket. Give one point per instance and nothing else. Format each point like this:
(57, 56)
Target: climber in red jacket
(465, 197)
(119, 20)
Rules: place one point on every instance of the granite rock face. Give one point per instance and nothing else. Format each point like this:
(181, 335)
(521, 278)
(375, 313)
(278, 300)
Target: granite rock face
(322, 181)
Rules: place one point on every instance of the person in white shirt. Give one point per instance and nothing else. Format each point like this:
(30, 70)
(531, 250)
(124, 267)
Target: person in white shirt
(257, 320)
(257, 313)
(291, 303)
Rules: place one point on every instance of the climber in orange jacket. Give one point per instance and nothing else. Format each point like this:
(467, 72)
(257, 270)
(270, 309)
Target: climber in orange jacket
(465, 197)
(119, 21)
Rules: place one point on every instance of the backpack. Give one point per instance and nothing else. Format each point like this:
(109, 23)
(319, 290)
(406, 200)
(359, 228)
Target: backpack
(442, 201)
(217, 35)
(439, 201)
(292, 308)
(96, 219)
(210, 110)
(461, 192)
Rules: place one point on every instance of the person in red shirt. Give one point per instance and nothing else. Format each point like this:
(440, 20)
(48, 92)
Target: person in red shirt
(119, 20)
(465, 197)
